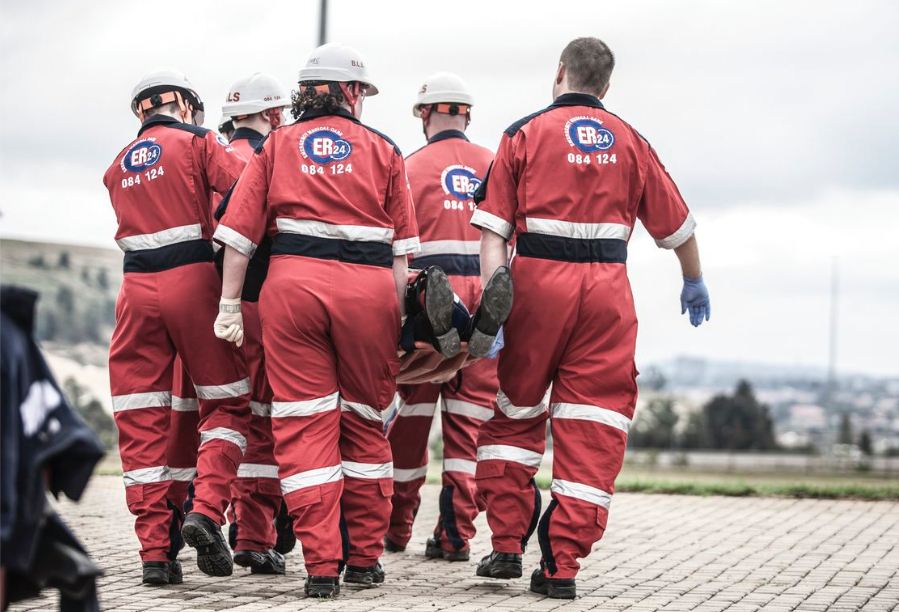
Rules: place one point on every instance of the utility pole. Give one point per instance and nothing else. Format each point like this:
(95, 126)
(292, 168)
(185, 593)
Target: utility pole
(323, 23)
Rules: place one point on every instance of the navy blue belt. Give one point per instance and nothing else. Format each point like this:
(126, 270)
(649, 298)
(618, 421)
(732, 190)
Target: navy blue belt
(575, 250)
(349, 251)
(454, 265)
(169, 256)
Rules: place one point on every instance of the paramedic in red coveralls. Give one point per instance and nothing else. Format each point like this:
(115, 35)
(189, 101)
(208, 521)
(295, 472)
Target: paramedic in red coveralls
(159, 187)
(568, 183)
(333, 195)
(444, 175)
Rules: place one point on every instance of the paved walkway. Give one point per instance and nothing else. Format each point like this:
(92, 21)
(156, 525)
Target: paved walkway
(660, 553)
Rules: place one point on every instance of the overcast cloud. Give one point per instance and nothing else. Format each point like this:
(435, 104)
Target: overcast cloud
(778, 120)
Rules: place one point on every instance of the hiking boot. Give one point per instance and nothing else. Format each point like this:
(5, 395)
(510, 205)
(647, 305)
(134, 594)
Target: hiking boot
(162, 572)
(391, 546)
(556, 588)
(500, 565)
(287, 539)
(213, 555)
(324, 587)
(433, 550)
(438, 307)
(260, 562)
(496, 304)
(366, 576)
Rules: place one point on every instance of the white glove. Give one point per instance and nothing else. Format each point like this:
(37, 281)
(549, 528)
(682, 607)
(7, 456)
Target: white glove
(229, 322)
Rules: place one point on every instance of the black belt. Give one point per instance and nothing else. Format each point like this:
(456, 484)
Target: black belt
(575, 250)
(169, 256)
(349, 251)
(454, 265)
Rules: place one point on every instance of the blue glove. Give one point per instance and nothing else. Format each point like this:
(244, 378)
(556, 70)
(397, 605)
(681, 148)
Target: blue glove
(695, 298)
(498, 343)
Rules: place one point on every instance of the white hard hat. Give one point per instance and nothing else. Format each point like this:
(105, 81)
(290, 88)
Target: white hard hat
(162, 81)
(442, 87)
(337, 62)
(254, 94)
(224, 121)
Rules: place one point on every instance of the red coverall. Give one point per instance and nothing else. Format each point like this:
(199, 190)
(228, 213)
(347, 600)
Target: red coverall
(159, 188)
(569, 182)
(333, 194)
(443, 176)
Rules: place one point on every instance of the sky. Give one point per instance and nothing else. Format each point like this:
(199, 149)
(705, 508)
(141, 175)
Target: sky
(777, 119)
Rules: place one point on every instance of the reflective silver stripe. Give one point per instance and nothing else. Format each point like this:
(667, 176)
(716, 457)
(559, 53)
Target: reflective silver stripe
(223, 433)
(581, 491)
(185, 404)
(257, 470)
(503, 452)
(408, 475)
(453, 406)
(417, 410)
(581, 231)
(320, 229)
(585, 412)
(519, 412)
(682, 234)
(261, 409)
(311, 478)
(363, 410)
(406, 246)
(482, 218)
(450, 247)
(183, 474)
(146, 475)
(215, 392)
(460, 465)
(352, 469)
(237, 241)
(151, 399)
(173, 235)
(304, 408)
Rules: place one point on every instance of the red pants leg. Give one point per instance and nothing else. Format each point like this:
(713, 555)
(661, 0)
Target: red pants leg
(302, 369)
(365, 323)
(593, 399)
(185, 437)
(189, 302)
(408, 437)
(140, 374)
(256, 492)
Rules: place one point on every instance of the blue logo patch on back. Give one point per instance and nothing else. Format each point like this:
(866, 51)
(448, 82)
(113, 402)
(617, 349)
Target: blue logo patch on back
(325, 145)
(141, 155)
(459, 182)
(588, 135)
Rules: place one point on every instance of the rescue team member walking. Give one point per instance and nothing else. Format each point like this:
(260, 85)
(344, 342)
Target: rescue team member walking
(568, 183)
(159, 187)
(443, 176)
(332, 193)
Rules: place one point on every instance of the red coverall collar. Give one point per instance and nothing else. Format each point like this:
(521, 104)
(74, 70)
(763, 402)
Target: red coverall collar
(577, 99)
(156, 120)
(446, 135)
(340, 112)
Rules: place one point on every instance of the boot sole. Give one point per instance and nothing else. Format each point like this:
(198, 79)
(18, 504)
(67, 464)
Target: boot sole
(505, 571)
(249, 560)
(211, 560)
(496, 304)
(556, 592)
(362, 578)
(156, 581)
(323, 592)
(439, 310)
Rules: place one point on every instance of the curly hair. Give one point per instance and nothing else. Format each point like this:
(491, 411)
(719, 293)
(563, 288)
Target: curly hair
(310, 97)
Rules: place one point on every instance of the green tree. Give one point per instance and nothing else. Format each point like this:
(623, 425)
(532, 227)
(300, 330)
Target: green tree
(38, 261)
(65, 299)
(64, 262)
(91, 410)
(864, 443)
(694, 435)
(103, 279)
(844, 435)
(654, 425)
(738, 421)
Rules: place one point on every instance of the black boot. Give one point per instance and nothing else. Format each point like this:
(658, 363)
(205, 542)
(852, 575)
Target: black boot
(434, 550)
(366, 576)
(162, 572)
(287, 539)
(213, 556)
(324, 587)
(391, 546)
(431, 293)
(496, 304)
(500, 565)
(267, 562)
(556, 588)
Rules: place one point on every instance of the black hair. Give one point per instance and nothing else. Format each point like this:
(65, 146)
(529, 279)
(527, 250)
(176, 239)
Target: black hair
(308, 97)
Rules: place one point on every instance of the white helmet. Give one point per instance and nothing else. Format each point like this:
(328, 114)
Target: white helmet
(442, 87)
(160, 82)
(254, 94)
(337, 62)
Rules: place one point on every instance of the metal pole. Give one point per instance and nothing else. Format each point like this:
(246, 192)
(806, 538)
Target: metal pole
(323, 23)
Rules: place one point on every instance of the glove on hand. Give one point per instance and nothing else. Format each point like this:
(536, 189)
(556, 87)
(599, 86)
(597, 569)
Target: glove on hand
(229, 322)
(498, 343)
(695, 298)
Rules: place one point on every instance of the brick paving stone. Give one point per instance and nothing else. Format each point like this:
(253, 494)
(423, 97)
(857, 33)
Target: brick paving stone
(673, 553)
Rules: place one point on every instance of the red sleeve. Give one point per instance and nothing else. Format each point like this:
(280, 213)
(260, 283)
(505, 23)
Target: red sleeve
(497, 197)
(662, 209)
(401, 210)
(222, 162)
(246, 216)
